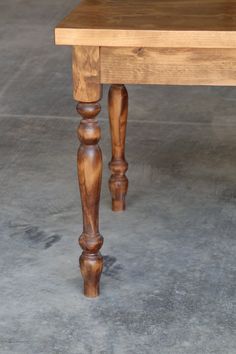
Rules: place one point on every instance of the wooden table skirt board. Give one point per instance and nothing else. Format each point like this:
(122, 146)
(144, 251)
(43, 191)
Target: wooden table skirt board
(93, 66)
(168, 66)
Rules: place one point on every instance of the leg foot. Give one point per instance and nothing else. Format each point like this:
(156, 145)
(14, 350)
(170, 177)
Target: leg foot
(91, 268)
(118, 112)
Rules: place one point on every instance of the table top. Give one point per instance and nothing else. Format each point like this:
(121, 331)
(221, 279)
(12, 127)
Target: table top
(154, 23)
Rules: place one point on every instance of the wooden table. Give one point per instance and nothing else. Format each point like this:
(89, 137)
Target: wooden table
(117, 42)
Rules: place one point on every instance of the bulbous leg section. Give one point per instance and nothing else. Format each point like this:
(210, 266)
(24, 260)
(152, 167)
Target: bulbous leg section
(118, 184)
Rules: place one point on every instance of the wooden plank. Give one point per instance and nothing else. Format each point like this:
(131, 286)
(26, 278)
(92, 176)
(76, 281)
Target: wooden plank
(150, 23)
(128, 38)
(169, 66)
(86, 74)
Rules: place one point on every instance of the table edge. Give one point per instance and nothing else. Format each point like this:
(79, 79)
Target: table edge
(145, 38)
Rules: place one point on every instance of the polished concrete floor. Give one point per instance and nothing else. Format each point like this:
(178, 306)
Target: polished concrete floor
(169, 284)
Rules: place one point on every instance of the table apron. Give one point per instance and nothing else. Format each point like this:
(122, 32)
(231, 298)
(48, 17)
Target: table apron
(168, 66)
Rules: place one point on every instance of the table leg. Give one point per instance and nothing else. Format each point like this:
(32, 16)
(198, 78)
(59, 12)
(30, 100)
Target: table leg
(90, 176)
(118, 112)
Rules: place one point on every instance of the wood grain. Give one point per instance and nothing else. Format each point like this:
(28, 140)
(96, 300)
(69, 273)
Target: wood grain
(176, 42)
(118, 112)
(150, 23)
(90, 176)
(86, 73)
(170, 66)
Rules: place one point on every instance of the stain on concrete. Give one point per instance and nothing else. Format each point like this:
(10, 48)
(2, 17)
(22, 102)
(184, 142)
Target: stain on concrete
(111, 267)
(34, 236)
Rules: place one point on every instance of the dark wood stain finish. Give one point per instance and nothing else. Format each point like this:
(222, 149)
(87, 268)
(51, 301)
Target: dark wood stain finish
(118, 111)
(90, 177)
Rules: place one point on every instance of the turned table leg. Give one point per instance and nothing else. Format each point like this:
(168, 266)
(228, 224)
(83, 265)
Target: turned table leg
(90, 176)
(88, 92)
(118, 111)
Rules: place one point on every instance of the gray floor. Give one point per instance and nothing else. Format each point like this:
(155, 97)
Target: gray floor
(170, 275)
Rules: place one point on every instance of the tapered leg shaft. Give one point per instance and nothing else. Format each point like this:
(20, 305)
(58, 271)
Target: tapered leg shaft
(90, 176)
(118, 112)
